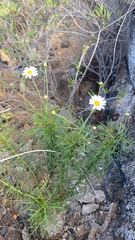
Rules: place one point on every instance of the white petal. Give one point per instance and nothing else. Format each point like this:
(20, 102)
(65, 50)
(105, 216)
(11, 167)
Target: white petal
(103, 103)
(91, 101)
(95, 97)
(34, 74)
(26, 69)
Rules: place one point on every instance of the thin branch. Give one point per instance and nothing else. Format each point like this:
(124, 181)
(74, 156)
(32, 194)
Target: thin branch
(20, 154)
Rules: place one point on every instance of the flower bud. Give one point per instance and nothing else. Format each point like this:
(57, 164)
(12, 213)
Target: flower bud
(45, 64)
(127, 114)
(53, 112)
(101, 83)
(45, 97)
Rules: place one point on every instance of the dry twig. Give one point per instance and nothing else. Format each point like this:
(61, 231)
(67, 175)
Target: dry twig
(101, 229)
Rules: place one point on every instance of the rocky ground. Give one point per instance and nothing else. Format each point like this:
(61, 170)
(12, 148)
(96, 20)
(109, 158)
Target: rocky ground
(108, 210)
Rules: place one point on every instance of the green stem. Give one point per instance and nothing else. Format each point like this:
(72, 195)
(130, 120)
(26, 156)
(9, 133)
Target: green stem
(84, 124)
(16, 190)
(37, 91)
(46, 80)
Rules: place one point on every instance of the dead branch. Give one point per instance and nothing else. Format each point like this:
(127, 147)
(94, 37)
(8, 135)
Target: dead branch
(101, 229)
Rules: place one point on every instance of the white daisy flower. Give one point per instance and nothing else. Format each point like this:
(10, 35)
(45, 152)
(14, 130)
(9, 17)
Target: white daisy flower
(98, 102)
(29, 72)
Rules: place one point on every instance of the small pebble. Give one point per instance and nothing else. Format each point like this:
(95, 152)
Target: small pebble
(4, 231)
(4, 212)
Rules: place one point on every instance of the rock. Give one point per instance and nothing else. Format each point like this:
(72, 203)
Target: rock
(62, 86)
(131, 49)
(69, 74)
(87, 198)
(62, 90)
(114, 182)
(93, 118)
(5, 58)
(54, 229)
(101, 217)
(55, 64)
(73, 204)
(65, 43)
(67, 114)
(96, 228)
(72, 72)
(9, 76)
(73, 216)
(4, 212)
(117, 110)
(87, 86)
(26, 127)
(82, 231)
(4, 231)
(100, 196)
(65, 77)
(89, 208)
(51, 53)
(13, 235)
(54, 47)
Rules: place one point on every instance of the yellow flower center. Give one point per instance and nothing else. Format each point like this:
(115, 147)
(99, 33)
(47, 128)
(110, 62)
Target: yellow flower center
(97, 103)
(29, 72)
